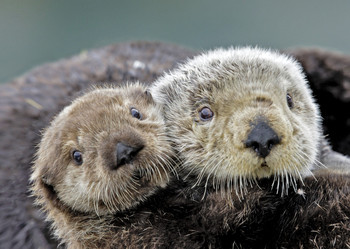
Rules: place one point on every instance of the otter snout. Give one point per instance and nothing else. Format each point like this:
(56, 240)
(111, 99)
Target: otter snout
(125, 154)
(262, 138)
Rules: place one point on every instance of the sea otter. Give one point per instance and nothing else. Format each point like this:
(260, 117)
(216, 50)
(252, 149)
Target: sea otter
(245, 117)
(105, 153)
(238, 115)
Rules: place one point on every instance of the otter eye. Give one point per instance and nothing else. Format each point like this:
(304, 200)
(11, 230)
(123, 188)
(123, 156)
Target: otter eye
(206, 114)
(78, 157)
(135, 113)
(290, 101)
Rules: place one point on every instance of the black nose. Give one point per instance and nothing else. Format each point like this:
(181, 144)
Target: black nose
(125, 153)
(262, 138)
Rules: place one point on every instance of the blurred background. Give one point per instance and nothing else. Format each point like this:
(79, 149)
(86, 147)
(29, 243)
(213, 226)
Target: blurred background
(33, 32)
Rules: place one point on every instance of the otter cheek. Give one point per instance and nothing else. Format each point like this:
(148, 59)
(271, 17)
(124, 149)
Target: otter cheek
(70, 186)
(305, 146)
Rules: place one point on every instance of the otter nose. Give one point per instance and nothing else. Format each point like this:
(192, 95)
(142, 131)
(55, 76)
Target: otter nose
(262, 138)
(125, 153)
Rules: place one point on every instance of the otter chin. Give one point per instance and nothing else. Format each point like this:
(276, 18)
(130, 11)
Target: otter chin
(239, 115)
(105, 153)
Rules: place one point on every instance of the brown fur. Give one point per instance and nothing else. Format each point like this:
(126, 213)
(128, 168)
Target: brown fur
(174, 216)
(79, 199)
(316, 216)
(21, 225)
(183, 217)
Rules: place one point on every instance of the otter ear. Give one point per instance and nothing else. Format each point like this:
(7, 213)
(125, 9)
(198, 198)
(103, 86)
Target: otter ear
(48, 161)
(149, 96)
(45, 172)
(44, 180)
(48, 178)
(47, 165)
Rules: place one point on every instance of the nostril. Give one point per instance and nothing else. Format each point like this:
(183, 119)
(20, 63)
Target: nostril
(252, 144)
(272, 142)
(256, 147)
(122, 161)
(270, 145)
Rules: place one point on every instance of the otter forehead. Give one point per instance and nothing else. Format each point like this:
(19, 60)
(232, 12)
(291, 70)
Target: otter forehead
(237, 69)
(225, 76)
(108, 109)
(110, 97)
(245, 63)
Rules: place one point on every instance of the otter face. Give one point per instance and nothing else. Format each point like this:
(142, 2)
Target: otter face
(240, 115)
(104, 153)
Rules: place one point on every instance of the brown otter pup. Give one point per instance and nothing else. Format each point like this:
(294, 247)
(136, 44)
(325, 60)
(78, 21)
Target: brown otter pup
(105, 153)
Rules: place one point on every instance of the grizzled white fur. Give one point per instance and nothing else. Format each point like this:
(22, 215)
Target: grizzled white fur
(240, 86)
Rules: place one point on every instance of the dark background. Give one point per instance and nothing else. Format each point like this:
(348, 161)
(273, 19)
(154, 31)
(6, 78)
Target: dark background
(33, 32)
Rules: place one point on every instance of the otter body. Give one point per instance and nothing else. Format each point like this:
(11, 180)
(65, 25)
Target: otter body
(316, 216)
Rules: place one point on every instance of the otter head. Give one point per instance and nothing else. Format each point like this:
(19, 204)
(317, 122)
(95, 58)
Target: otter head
(104, 153)
(238, 115)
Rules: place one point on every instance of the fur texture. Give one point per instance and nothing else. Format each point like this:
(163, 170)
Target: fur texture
(138, 205)
(182, 215)
(79, 197)
(316, 216)
(241, 87)
(211, 106)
